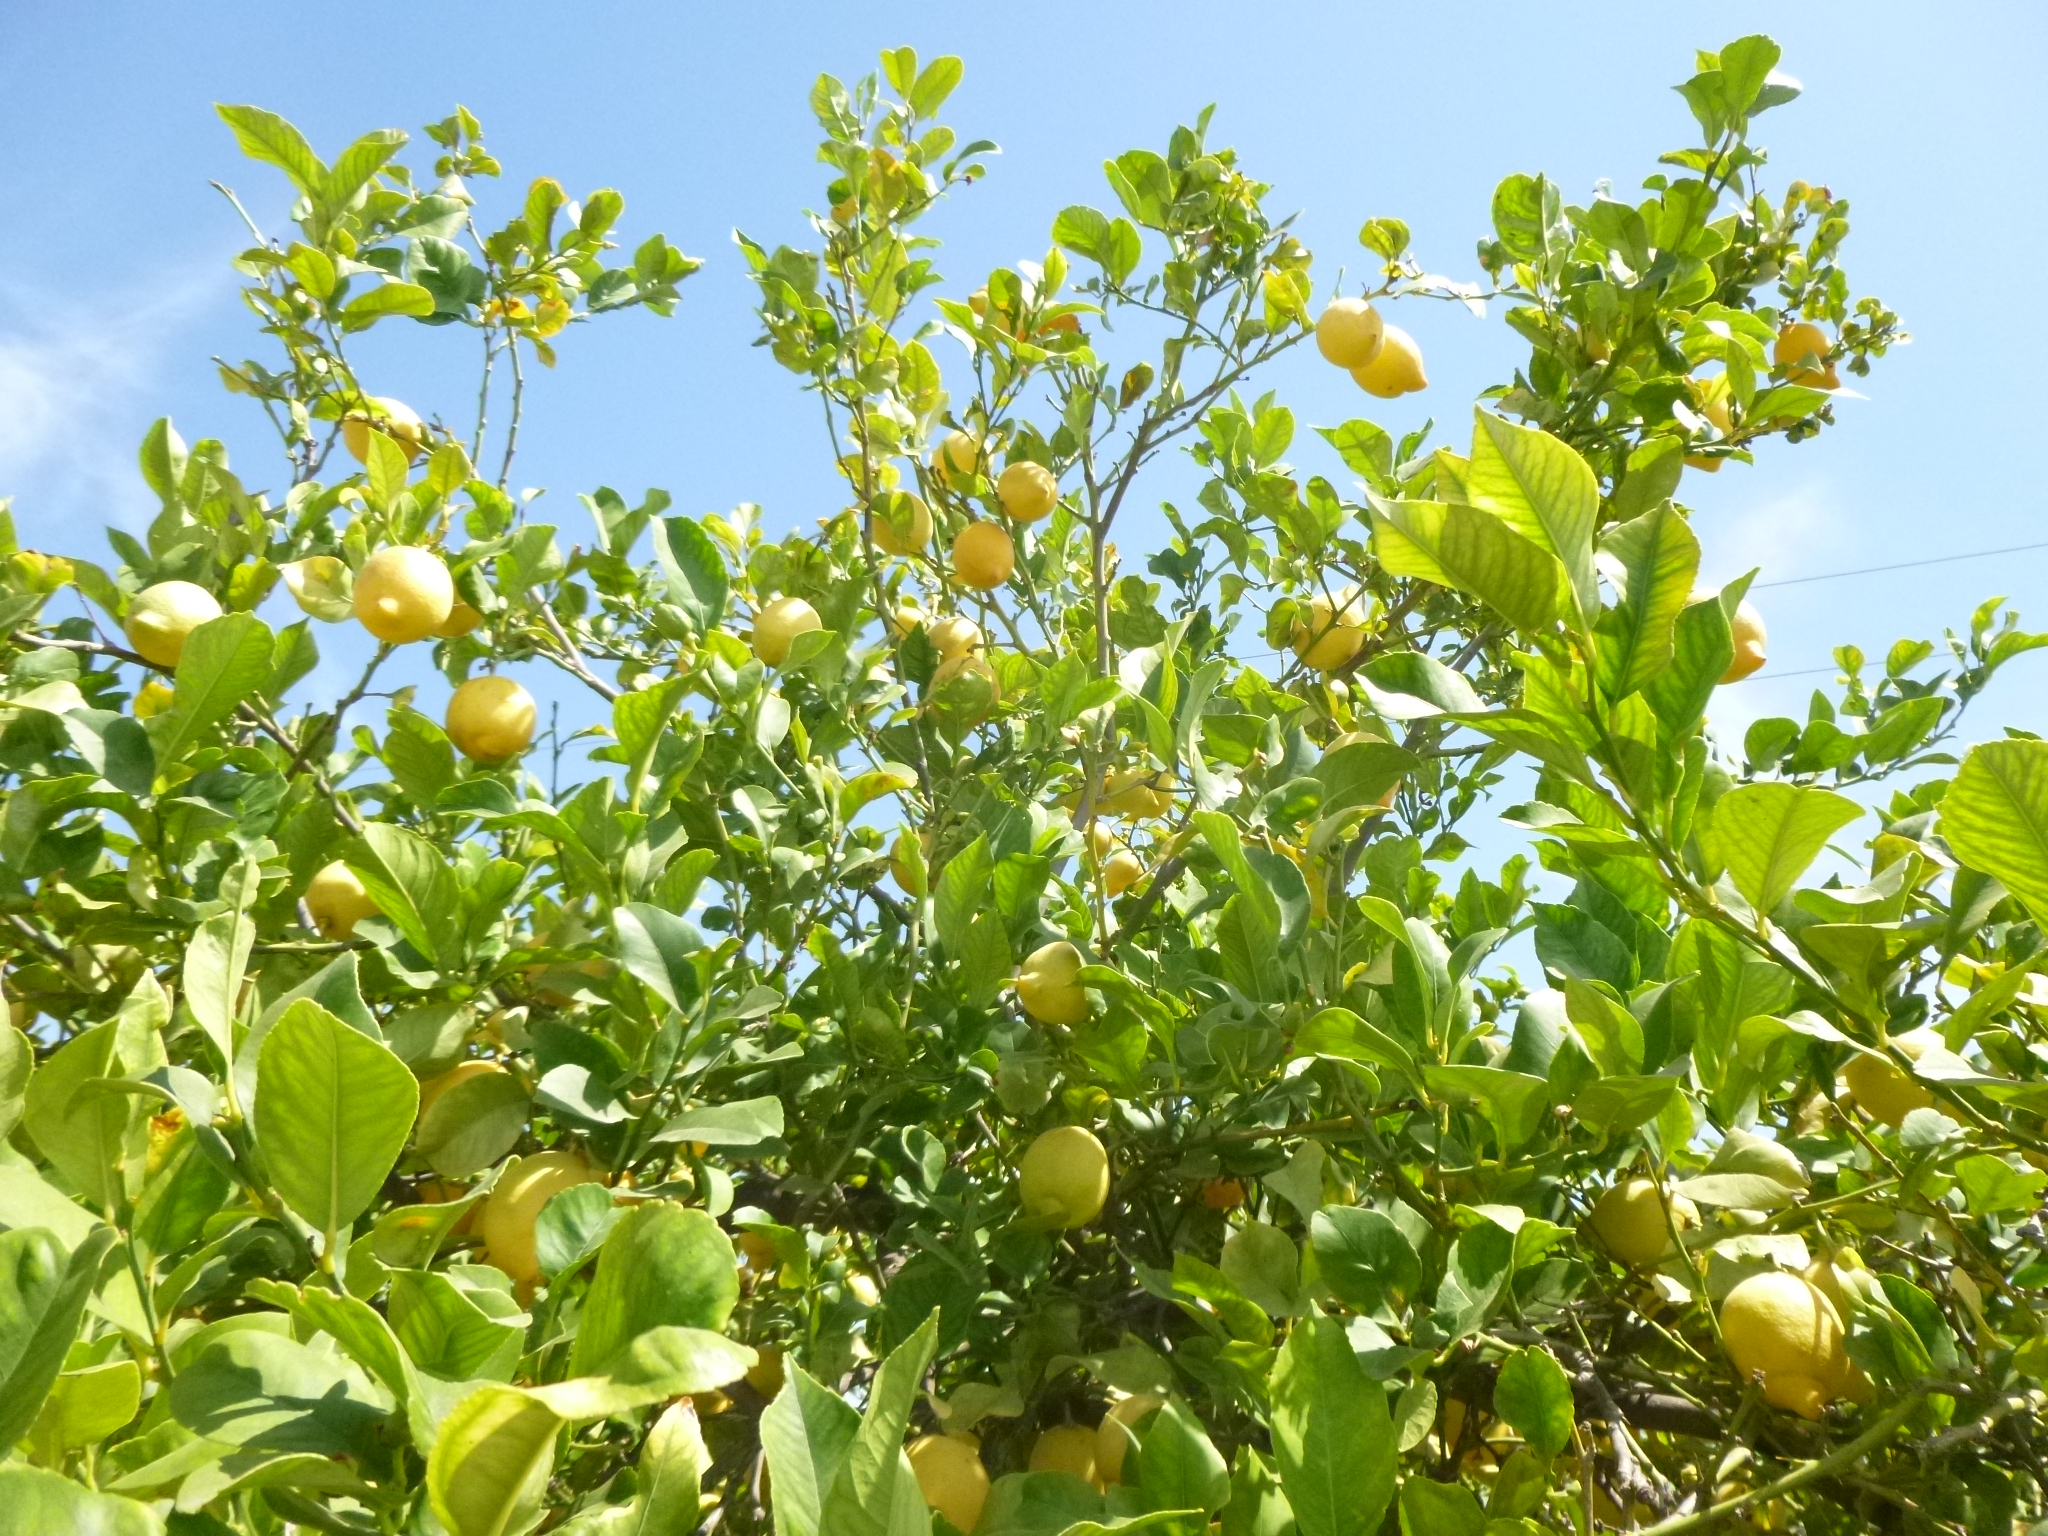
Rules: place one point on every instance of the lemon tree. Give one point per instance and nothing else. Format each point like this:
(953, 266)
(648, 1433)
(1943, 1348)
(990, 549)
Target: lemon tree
(951, 1020)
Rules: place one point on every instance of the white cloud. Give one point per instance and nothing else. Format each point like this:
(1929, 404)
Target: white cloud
(72, 373)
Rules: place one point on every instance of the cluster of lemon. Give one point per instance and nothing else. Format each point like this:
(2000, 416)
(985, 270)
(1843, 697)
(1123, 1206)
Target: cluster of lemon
(403, 593)
(1382, 358)
(955, 1483)
(1802, 354)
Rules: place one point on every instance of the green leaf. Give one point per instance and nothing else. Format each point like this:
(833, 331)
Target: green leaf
(491, 1461)
(86, 1406)
(45, 1314)
(216, 960)
(1263, 1263)
(267, 137)
(1653, 562)
(445, 1332)
(410, 881)
(655, 946)
(1766, 836)
(271, 1393)
(1178, 1464)
(1702, 645)
(38, 1503)
(695, 568)
(391, 298)
(935, 83)
(663, 1264)
(741, 1123)
(1540, 487)
(1407, 685)
(358, 163)
(660, 1364)
(225, 663)
(1623, 1103)
(1995, 817)
(807, 1433)
(1430, 1508)
(17, 1065)
(333, 1110)
(1473, 550)
(473, 1124)
(1332, 1434)
(875, 1492)
(1364, 1257)
(1534, 1395)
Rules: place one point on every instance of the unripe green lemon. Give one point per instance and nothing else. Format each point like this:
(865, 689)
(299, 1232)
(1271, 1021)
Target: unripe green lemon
(983, 556)
(1027, 491)
(1396, 369)
(403, 593)
(1048, 984)
(491, 719)
(337, 901)
(951, 1477)
(1064, 1179)
(1350, 333)
(778, 624)
(161, 617)
(1629, 1221)
(1785, 1327)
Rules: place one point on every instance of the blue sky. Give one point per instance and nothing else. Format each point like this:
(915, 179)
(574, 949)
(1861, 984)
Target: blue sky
(114, 289)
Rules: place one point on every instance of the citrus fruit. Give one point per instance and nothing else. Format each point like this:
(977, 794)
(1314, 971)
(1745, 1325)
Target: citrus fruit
(778, 624)
(506, 1224)
(1748, 629)
(337, 901)
(432, 1088)
(1885, 1092)
(1063, 1180)
(394, 418)
(1135, 792)
(953, 635)
(1223, 1194)
(1123, 870)
(1629, 1222)
(1110, 1445)
(1396, 369)
(160, 617)
(958, 459)
(1801, 351)
(460, 621)
(908, 861)
(965, 688)
(1027, 491)
(1331, 631)
(1350, 333)
(951, 1477)
(902, 525)
(758, 1252)
(403, 593)
(1048, 987)
(765, 1375)
(983, 555)
(491, 719)
(906, 617)
(1065, 1448)
(1716, 403)
(153, 698)
(1784, 1327)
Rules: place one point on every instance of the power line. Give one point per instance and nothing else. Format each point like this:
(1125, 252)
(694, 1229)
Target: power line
(1904, 565)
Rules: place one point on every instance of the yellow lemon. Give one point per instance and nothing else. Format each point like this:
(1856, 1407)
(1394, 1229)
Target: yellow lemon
(515, 1201)
(403, 593)
(1048, 987)
(951, 1477)
(1629, 1221)
(1716, 404)
(1786, 1328)
(954, 635)
(491, 719)
(432, 1088)
(909, 861)
(1396, 369)
(906, 617)
(1027, 491)
(958, 459)
(778, 624)
(337, 901)
(394, 418)
(765, 1375)
(1064, 1178)
(956, 677)
(1748, 629)
(1886, 1093)
(161, 617)
(153, 698)
(1331, 632)
(1350, 333)
(1136, 793)
(1802, 352)
(460, 621)
(902, 525)
(983, 556)
(1110, 1445)
(1065, 1448)
(1124, 870)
